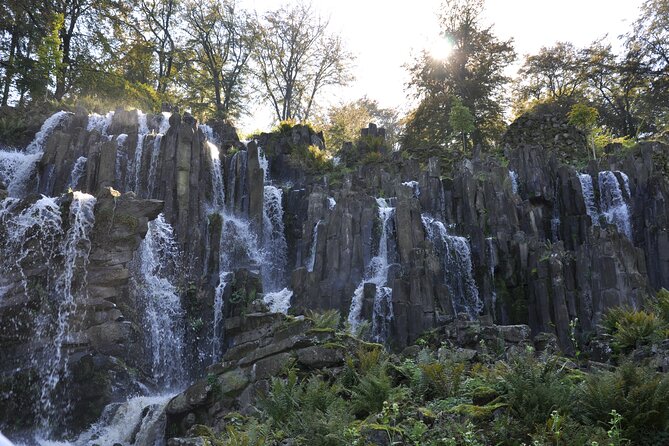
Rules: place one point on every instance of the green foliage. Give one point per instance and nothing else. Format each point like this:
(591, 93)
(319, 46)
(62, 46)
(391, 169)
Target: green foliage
(461, 120)
(342, 123)
(311, 411)
(631, 328)
(474, 71)
(533, 390)
(327, 319)
(640, 396)
(583, 117)
(311, 158)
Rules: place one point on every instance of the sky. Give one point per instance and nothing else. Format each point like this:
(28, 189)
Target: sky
(386, 34)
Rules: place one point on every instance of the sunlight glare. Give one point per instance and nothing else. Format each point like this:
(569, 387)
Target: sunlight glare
(440, 48)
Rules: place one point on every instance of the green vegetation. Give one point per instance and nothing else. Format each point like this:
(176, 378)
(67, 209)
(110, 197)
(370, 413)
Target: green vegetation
(434, 396)
(209, 57)
(584, 118)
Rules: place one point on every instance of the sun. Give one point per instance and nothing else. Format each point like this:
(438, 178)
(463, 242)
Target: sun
(440, 48)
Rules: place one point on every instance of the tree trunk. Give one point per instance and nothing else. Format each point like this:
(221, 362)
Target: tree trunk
(9, 71)
(61, 72)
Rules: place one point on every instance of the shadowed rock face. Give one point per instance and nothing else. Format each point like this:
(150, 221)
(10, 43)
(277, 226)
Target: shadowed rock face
(539, 255)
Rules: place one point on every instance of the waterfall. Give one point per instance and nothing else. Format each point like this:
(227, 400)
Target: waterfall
(264, 164)
(217, 185)
(514, 181)
(274, 240)
(142, 131)
(588, 192)
(77, 172)
(69, 286)
(151, 178)
(626, 182)
(164, 123)
(377, 273)
(612, 203)
(99, 122)
(156, 292)
(331, 203)
(311, 261)
(139, 421)
(17, 168)
(37, 144)
(456, 260)
(414, 186)
(490, 242)
(278, 301)
(237, 186)
(16, 171)
(34, 231)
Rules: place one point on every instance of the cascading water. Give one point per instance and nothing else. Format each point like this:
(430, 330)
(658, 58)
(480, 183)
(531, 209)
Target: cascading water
(612, 203)
(332, 203)
(17, 168)
(275, 248)
(413, 185)
(264, 164)
(34, 231)
(99, 122)
(274, 240)
(377, 273)
(151, 178)
(77, 172)
(492, 259)
(136, 422)
(311, 261)
(588, 191)
(70, 286)
(157, 294)
(513, 176)
(142, 131)
(456, 260)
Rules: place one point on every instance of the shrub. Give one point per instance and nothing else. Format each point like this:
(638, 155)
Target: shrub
(533, 390)
(327, 319)
(631, 328)
(311, 411)
(639, 395)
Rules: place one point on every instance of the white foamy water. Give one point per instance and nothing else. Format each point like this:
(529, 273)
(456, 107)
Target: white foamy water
(376, 273)
(456, 258)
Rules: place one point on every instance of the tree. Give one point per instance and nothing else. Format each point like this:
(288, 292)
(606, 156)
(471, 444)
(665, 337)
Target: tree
(618, 88)
(584, 118)
(554, 74)
(342, 123)
(222, 38)
(474, 72)
(650, 38)
(157, 27)
(296, 58)
(461, 121)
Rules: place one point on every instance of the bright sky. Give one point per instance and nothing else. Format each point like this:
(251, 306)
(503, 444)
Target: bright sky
(385, 34)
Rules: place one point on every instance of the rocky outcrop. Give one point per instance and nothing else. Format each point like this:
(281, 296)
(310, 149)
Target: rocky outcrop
(263, 346)
(77, 346)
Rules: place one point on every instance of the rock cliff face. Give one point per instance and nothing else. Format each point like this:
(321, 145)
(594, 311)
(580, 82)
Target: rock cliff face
(185, 216)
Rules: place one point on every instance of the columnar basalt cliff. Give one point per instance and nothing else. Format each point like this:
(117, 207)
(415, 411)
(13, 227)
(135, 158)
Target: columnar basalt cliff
(215, 230)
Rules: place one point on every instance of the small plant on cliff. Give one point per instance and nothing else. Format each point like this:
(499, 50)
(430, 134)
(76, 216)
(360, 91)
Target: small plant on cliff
(462, 121)
(584, 118)
(328, 319)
